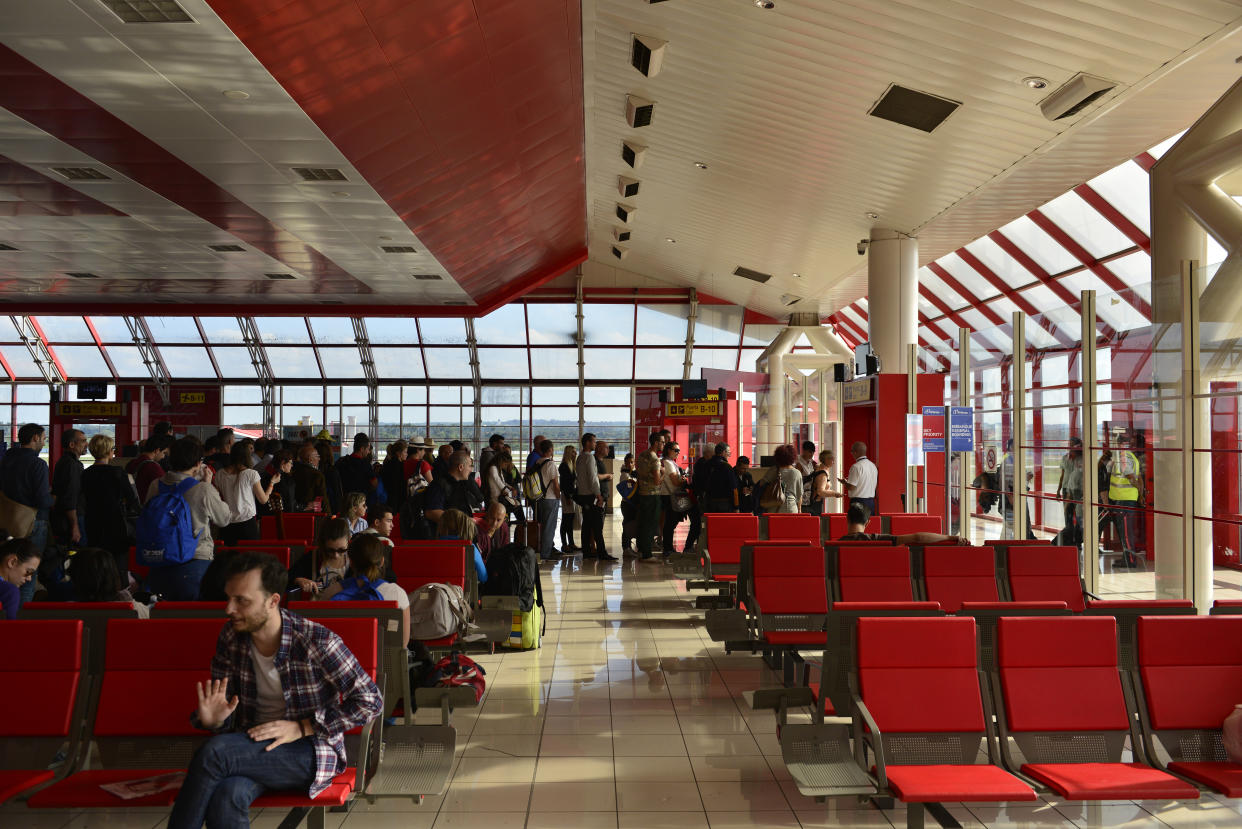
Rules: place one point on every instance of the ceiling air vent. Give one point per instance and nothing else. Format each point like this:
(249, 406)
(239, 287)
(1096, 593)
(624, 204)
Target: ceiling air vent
(319, 174)
(638, 111)
(227, 248)
(621, 234)
(646, 54)
(627, 187)
(1075, 95)
(81, 275)
(280, 276)
(7, 247)
(632, 154)
(625, 212)
(398, 249)
(455, 302)
(426, 276)
(789, 299)
(81, 173)
(148, 11)
(912, 108)
(620, 252)
(331, 302)
(747, 273)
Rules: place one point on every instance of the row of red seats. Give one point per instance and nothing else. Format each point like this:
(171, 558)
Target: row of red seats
(134, 708)
(1069, 719)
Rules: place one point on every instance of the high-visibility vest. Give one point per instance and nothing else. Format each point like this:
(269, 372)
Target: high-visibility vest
(1120, 488)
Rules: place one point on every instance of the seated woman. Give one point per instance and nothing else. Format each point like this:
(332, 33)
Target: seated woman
(455, 524)
(365, 580)
(94, 578)
(19, 561)
(326, 563)
(355, 512)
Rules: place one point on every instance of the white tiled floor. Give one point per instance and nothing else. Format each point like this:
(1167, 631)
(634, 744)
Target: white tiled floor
(629, 716)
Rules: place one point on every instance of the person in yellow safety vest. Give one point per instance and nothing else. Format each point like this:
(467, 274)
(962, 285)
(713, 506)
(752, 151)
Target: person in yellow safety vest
(1126, 492)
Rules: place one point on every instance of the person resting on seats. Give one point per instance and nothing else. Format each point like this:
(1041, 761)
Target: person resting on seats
(455, 524)
(283, 692)
(859, 515)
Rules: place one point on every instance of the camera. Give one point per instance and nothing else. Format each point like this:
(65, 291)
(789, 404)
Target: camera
(862, 246)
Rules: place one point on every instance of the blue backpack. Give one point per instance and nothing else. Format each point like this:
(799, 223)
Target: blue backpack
(165, 531)
(358, 589)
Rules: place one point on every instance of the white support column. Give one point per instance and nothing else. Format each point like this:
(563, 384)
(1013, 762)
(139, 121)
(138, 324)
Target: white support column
(1196, 471)
(771, 424)
(1089, 517)
(911, 362)
(892, 296)
(1018, 390)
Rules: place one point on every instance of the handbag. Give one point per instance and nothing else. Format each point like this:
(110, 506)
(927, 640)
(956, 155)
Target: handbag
(681, 501)
(17, 519)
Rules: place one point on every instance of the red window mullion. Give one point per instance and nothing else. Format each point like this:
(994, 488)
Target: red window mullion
(1146, 161)
(1080, 253)
(1102, 206)
(949, 280)
(90, 326)
(1024, 305)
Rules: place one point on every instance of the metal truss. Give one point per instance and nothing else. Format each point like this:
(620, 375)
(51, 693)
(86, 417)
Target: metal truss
(262, 369)
(367, 359)
(476, 381)
(694, 315)
(579, 340)
(140, 333)
(31, 337)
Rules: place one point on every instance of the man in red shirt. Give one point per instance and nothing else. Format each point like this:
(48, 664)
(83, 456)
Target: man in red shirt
(148, 466)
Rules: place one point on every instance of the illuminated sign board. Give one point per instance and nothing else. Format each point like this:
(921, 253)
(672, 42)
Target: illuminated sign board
(90, 409)
(693, 408)
(192, 397)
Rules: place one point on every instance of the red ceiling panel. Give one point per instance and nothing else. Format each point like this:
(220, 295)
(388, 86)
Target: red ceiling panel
(466, 117)
(31, 93)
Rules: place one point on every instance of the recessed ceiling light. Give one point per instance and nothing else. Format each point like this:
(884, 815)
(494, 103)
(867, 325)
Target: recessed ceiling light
(871, 214)
(670, 239)
(236, 94)
(797, 276)
(384, 238)
(764, 4)
(701, 165)
(1035, 82)
(340, 194)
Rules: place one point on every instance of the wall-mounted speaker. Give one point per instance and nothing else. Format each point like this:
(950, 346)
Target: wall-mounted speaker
(638, 111)
(663, 395)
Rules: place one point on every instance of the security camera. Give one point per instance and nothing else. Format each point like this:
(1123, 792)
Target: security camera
(862, 246)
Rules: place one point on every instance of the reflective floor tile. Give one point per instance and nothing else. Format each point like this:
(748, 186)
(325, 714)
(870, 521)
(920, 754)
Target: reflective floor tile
(573, 796)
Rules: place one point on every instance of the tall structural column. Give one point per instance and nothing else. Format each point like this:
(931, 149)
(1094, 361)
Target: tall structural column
(893, 296)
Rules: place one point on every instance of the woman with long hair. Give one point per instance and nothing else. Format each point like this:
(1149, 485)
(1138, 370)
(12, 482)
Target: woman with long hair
(242, 490)
(455, 524)
(790, 478)
(326, 564)
(570, 511)
(673, 482)
(392, 473)
(365, 579)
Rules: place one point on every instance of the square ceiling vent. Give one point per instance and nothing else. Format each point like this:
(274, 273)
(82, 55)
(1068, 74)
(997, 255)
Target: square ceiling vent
(148, 11)
(398, 249)
(227, 248)
(81, 174)
(81, 275)
(280, 276)
(754, 276)
(313, 174)
(426, 276)
(912, 108)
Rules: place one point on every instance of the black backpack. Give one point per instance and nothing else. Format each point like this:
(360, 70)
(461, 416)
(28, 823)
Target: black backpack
(414, 523)
(513, 570)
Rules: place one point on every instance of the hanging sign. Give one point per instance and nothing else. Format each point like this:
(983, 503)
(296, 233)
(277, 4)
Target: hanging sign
(961, 429)
(856, 391)
(693, 408)
(933, 428)
(192, 397)
(90, 409)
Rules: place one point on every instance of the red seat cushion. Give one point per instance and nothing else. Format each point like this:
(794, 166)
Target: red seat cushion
(874, 574)
(82, 791)
(335, 795)
(796, 637)
(1110, 781)
(829, 709)
(1191, 668)
(1225, 778)
(1038, 573)
(933, 784)
(14, 782)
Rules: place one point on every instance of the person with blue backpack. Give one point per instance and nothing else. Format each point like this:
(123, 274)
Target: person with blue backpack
(174, 529)
(365, 580)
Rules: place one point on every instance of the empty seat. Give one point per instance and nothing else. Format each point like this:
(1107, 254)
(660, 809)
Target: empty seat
(1042, 573)
(789, 600)
(722, 547)
(953, 575)
(95, 616)
(919, 695)
(1061, 700)
(296, 525)
(793, 526)
(1226, 607)
(189, 610)
(43, 693)
(915, 523)
(1190, 671)
(874, 574)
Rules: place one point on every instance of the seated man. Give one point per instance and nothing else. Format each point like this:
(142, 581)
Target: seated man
(283, 692)
(859, 515)
(493, 529)
(382, 520)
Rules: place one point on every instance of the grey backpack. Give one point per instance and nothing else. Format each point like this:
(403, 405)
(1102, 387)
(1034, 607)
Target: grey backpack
(438, 610)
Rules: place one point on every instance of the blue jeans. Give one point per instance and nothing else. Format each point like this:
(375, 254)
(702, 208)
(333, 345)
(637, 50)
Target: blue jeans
(178, 582)
(548, 510)
(231, 771)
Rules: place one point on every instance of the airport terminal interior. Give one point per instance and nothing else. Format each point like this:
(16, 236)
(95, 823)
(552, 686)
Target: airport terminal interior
(997, 245)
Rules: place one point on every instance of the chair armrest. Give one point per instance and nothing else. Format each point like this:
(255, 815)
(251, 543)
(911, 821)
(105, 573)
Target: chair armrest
(869, 735)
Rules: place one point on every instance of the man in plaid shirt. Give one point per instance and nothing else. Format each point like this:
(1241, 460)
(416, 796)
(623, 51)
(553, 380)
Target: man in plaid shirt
(282, 694)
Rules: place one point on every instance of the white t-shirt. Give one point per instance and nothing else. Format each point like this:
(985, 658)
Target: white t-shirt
(862, 479)
(270, 702)
(237, 490)
(672, 477)
(547, 474)
(393, 593)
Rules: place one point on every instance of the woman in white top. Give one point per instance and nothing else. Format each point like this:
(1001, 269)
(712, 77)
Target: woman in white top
(790, 477)
(495, 488)
(672, 483)
(241, 488)
(355, 511)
